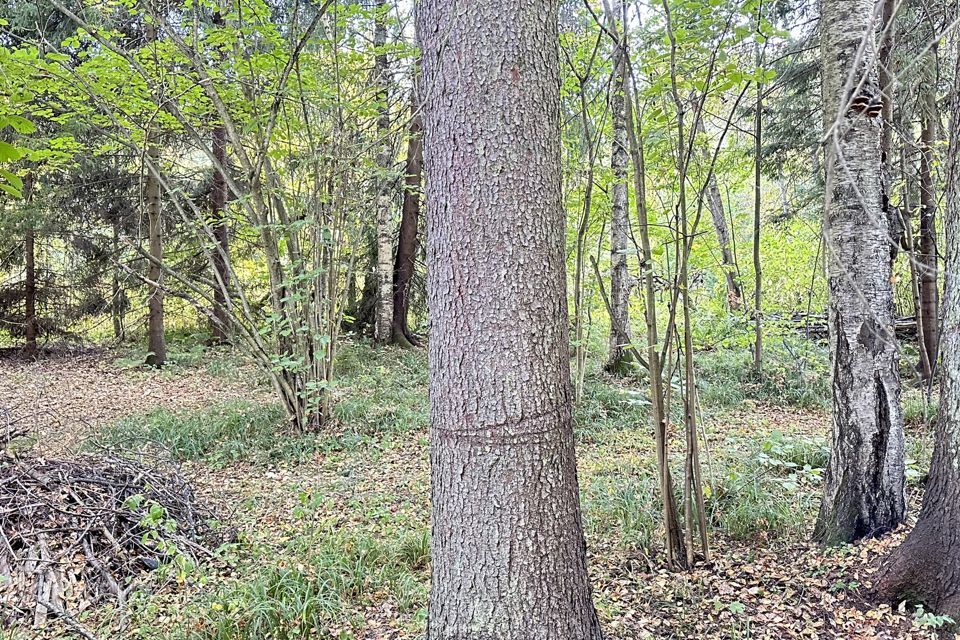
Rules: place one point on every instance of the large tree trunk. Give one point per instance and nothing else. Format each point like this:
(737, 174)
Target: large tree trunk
(926, 567)
(220, 323)
(508, 552)
(864, 493)
(407, 243)
(157, 345)
(383, 327)
(929, 293)
(619, 354)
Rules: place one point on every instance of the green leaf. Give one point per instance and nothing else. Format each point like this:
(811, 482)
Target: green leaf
(9, 153)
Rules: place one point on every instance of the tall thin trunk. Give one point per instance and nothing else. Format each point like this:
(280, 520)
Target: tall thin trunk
(757, 204)
(408, 242)
(117, 297)
(508, 551)
(926, 567)
(887, 88)
(30, 329)
(157, 345)
(927, 257)
(220, 323)
(719, 215)
(619, 358)
(383, 327)
(864, 492)
(674, 543)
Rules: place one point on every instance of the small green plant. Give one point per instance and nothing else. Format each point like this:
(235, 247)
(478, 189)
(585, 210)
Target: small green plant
(930, 620)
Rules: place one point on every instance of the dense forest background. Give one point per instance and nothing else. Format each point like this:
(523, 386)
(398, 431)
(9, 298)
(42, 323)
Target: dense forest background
(709, 242)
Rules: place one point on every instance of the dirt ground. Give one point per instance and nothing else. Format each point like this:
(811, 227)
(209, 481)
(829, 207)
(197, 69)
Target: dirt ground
(770, 587)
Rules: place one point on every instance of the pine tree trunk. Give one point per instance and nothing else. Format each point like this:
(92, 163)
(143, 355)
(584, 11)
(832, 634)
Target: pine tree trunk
(864, 493)
(927, 258)
(619, 355)
(508, 552)
(926, 567)
(407, 243)
(157, 345)
(383, 327)
(220, 323)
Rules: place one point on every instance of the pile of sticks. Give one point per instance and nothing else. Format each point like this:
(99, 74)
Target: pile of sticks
(75, 532)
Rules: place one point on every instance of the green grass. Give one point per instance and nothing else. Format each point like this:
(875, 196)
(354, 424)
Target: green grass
(796, 373)
(229, 432)
(380, 392)
(771, 489)
(317, 586)
(622, 507)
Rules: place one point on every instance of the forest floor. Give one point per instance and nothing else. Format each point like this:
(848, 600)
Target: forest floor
(333, 528)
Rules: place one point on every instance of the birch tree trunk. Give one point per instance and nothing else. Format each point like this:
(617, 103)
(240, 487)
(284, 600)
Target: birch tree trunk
(619, 358)
(926, 567)
(157, 345)
(508, 552)
(864, 493)
(383, 326)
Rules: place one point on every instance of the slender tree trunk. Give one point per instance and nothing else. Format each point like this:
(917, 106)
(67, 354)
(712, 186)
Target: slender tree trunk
(887, 88)
(408, 242)
(719, 215)
(674, 543)
(927, 258)
(30, 288)
(508, 552)
(383, 326)
(157, 345)
(926, 567)
(619, 358)
(117, 298)
(220, 323)
(864, 492)
(757, 204)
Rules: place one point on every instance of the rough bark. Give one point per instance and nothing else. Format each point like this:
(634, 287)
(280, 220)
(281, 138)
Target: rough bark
(383, 327)
(619, 356)
(864, 492)
(156, 341)
(220, 322)
(404, 265)
(927, 257)
(508, 552)
(926, 567)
